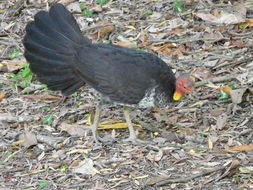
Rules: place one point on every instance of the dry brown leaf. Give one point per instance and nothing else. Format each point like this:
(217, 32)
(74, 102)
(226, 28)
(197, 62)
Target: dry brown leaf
(168, 25)
(231, 169)
(238, 43)
(126, 44)
(214, 36)
(105, 30)
(28, 139)
(97, 8)
(215, 113)
(43, 97)
(164, 49)
(73, 130)
(74, 7)
(226, 89)
(221, 121)
(86, 167)
(234, 16)
(246, 147)
(2, 95)
(248, 22)
(143, 37)
(155, 156)
(12, 66)
(202, 73)
(236, 95)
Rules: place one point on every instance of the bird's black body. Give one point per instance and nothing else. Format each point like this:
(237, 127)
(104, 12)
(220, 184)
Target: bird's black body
(65, 60)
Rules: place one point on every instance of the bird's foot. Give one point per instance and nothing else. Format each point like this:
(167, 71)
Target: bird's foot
(107, 140)
(136, 141)
(98, 140)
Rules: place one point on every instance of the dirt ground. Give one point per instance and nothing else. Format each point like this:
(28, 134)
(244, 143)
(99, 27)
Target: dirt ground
(204, 141)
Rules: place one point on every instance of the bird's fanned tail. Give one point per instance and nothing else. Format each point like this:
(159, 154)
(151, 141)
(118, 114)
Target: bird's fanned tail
(50, 44)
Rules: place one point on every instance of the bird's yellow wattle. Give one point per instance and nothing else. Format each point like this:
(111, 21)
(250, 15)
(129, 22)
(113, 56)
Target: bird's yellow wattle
(177, 95)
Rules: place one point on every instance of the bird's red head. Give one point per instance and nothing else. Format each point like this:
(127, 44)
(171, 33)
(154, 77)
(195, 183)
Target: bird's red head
(184, 84)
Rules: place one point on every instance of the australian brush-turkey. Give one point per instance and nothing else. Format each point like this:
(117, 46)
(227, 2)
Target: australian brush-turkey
(64, 59)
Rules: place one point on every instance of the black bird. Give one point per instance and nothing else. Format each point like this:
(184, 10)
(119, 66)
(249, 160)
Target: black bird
(64, 59)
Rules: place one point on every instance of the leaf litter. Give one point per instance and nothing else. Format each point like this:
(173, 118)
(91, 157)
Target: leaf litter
(198, 140)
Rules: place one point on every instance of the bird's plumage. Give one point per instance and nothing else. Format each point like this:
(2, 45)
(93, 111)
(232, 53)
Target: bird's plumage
(65, 60)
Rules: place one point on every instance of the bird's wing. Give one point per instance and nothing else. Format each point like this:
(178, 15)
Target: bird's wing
(124, 75)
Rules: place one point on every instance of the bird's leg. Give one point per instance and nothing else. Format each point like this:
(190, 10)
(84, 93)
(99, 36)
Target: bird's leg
(95, 124)
(94, 127)
(132, 136)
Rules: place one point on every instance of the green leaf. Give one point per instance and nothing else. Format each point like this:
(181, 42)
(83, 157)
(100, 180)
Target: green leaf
(202, 134)
(147, 12)
(63, 168)
(223, 95)
(43, 184)
(101, 2)
(178, 5)
(83, 6)
(107, 41)
(14, 54)
(46, 109)
(87, 13)
(231, 85)
(75, 94)
(134, 46)
(48, 120)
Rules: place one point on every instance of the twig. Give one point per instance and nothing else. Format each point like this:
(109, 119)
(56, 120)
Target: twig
(182, 41)
(96, 27)
(185, 179)
(235, 63)
(16, 8)
(49, 140)
(217, 79)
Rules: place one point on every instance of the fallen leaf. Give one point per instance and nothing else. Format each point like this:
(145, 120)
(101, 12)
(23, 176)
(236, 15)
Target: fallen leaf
(155, 156)
(164, 49)
(213, 36)
(215, 113)
(7, 117)
(143, 37)
(226, 89)
(73, 130)
(12, 65)
(234, 16)
(221, 121)
(74, 7)
(43, 97)
(126, 44)
(168, 25)
(211, 63)
(130, 27)
(248, 23)
(246, 170)
(210, 143)
(28, 139)
(86, 167)
(96, 8)
(236, 95)
(246, 147)
(105, 30)
(2, 95)
(202, 73)
(231, 169)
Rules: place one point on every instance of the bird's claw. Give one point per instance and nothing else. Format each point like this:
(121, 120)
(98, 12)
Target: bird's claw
(136, 141)
(104, 139)
(98, 140)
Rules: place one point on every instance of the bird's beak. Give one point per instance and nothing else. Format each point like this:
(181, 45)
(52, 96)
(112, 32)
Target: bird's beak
(177, 95)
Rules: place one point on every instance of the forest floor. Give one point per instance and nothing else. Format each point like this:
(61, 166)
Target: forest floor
(204, 141)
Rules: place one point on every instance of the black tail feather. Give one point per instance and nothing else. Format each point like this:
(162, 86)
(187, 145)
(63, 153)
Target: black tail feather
(50, 46)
